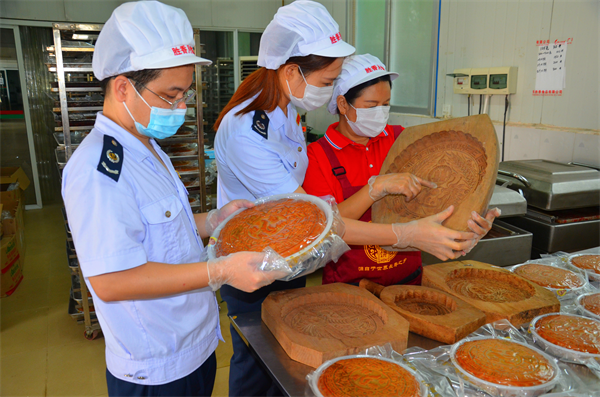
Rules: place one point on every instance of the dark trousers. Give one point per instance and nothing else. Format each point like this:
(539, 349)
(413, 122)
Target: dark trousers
(247, 377)
(198, 383)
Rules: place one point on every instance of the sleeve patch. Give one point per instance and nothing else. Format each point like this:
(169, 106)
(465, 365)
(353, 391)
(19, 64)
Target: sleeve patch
(111, 159)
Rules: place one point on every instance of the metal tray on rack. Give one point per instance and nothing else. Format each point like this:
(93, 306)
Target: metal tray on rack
(61, 158)
(76, 314)
(76, 138)
(76, 290)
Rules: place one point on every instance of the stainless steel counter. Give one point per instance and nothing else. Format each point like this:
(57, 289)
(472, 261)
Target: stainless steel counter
(288, 374)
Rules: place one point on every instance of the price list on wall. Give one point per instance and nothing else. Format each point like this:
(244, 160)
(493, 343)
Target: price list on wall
(551, 72)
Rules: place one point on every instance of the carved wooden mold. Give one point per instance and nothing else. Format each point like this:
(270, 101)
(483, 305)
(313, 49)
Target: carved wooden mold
(497, 292)
(459, 155)
(316, 324)
(433, 313)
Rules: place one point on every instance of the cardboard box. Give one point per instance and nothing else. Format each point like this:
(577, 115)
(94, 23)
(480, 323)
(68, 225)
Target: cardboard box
(10, 175)
(11, 267)
(16, 225)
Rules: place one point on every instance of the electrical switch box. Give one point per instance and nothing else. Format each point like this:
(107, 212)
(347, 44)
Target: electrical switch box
(502, 81)
(485, 81)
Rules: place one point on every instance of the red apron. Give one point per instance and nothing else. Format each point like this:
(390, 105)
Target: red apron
(369, 261)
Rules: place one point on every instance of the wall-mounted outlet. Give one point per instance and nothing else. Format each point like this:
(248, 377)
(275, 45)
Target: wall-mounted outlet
(447, 111)
(486, 81)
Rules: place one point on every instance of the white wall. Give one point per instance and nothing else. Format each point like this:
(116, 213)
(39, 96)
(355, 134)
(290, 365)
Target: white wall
(504, 33)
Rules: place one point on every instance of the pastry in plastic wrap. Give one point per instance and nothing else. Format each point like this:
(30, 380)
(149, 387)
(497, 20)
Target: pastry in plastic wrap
(549, 276)
(287, 226)
(367, 376)
(570, 332)
(503, 362)
(589, 263)
(591, 303)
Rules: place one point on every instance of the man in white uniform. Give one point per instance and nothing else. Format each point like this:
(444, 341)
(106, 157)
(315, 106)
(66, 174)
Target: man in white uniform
(138, 243)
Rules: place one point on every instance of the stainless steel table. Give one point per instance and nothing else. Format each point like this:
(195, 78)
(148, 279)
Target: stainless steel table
(288, 374)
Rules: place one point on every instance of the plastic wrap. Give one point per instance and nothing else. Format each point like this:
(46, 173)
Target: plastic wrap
(591, 274)
(584, 302)
(574, 283)
(322, 247)
(545, 379)
(588, 336)
(376, 353)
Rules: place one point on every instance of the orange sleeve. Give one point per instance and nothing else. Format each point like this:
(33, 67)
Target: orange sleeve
(319, 180)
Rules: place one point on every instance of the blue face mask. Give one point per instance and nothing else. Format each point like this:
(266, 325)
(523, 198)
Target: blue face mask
(163, 123)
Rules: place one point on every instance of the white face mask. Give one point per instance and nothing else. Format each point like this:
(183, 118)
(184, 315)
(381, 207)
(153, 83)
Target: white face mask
(370, 122)
(314, 97)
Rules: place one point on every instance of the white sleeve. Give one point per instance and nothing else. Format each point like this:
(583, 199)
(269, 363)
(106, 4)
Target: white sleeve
(260, 169)
(105, 220)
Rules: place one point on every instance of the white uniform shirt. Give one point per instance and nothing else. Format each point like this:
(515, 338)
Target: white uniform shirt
(119, 225)
(251, 165)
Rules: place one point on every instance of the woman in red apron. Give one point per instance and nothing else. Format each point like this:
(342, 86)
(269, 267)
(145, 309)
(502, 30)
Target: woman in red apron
(346, 162)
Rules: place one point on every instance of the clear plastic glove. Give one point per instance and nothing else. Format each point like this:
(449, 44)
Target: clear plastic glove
(406, 184)
(429, 235)
(246, 271)
(338, 226)
(215, 217)
(480, 225)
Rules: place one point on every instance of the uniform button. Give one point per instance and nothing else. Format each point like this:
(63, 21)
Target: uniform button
(168, 213)
(370, 165)
(128, 376)
(299, 149)
(197, 233)
(367, 149)
(294, 164)
(141, 377)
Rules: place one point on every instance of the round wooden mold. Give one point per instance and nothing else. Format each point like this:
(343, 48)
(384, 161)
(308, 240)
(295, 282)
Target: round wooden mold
(489, 285)
(570, 337)
(562, 282)
(419, 300)
(361, 375)
(589, 305)
(504, 367)
(589, 263)
(334, 315)
(462, 165)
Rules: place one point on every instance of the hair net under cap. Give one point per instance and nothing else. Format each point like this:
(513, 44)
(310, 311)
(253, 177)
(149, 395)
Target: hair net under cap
(144, 35)
(356, 70)
(299, 29)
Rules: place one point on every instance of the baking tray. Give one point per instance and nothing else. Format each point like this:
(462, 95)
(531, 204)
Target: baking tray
(505, 245)
(550, 185)
(568, 237)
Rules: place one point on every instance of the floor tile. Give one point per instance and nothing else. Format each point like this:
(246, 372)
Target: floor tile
(23, 331)
(65, 377)
(221, 382)
(31, 294)
(24, 374)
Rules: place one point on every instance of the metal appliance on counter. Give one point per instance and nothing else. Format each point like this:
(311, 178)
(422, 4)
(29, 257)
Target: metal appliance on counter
(563, 203)
(505, 244)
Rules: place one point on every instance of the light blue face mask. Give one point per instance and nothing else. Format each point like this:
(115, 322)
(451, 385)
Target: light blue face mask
(163, 123)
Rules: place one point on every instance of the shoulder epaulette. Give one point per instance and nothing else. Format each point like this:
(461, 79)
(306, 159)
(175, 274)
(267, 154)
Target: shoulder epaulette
(260, 123)
(111, 159)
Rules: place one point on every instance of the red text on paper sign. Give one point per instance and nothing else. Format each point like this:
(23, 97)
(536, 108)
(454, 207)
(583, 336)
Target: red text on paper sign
(546, 42)
(183, 49)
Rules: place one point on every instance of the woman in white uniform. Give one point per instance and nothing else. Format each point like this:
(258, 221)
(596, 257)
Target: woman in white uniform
(260, 151)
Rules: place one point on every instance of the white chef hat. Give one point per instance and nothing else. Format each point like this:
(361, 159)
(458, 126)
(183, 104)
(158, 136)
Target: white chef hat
(356, 70)
(299, 29)
(144, 35)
